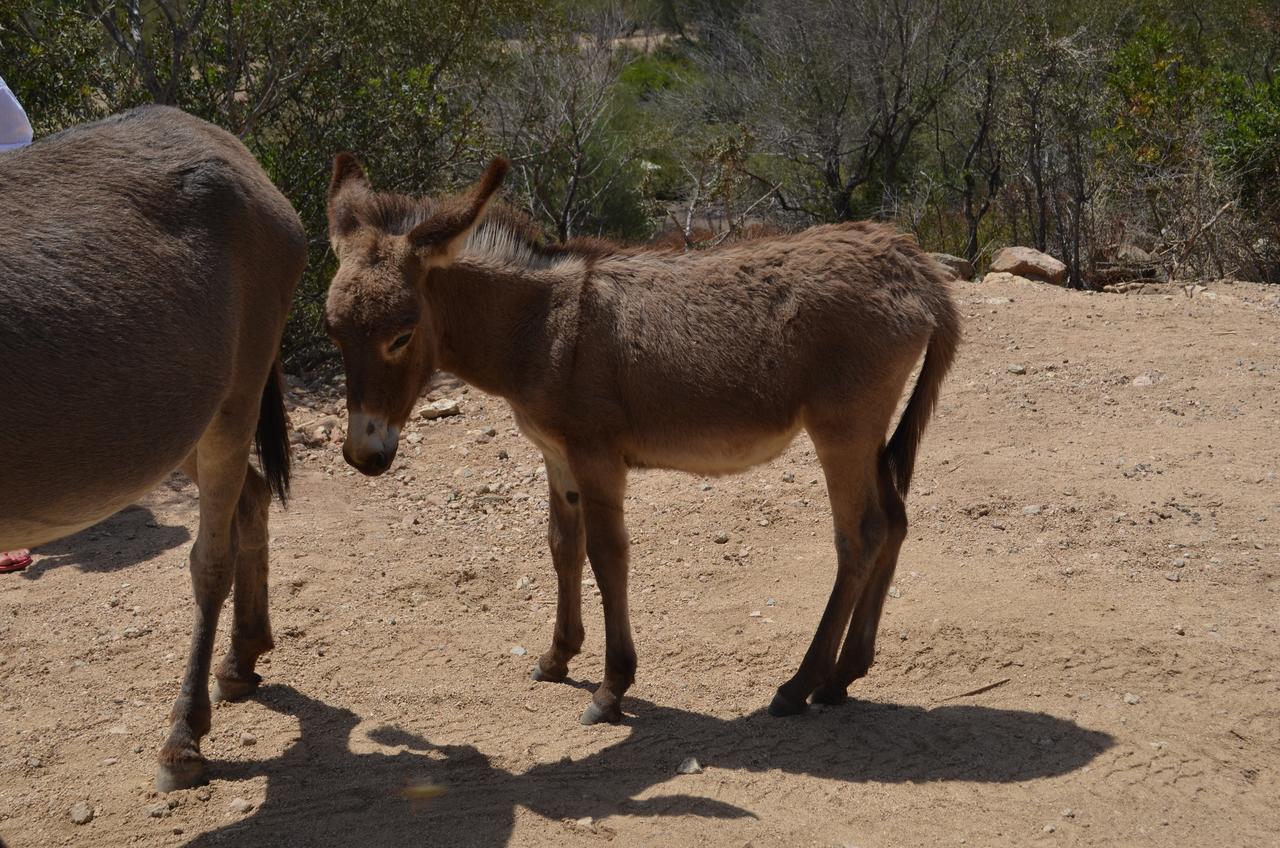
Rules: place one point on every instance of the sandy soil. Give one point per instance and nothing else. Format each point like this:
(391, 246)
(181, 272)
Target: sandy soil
(1102, 532)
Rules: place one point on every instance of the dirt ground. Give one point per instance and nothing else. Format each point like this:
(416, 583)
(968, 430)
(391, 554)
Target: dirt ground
(1099, 534)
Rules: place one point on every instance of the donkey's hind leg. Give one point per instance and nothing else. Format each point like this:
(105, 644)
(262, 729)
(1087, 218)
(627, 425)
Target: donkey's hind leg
(251, 628)
(568, 541)
(860, 645)
(859, 524)
(219, 471)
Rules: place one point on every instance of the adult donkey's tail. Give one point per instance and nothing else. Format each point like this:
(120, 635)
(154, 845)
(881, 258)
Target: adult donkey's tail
(272, 437)
(900, 452)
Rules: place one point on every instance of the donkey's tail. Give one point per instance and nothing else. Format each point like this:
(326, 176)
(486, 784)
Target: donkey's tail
(900, 452)
(272, 437)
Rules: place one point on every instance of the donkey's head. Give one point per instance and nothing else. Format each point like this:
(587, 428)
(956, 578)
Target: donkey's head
(377, 310)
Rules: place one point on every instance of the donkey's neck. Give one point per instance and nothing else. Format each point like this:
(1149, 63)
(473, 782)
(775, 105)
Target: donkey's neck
(492, 323)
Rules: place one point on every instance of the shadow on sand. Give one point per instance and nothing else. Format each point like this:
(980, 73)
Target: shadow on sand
(321, 793)
(128, 538)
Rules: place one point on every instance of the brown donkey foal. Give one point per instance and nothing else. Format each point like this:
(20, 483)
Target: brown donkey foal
(620, 358)
(146, 267)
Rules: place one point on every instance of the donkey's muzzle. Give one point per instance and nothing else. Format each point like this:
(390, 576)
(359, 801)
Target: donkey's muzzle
(371, 464)
(371, 444)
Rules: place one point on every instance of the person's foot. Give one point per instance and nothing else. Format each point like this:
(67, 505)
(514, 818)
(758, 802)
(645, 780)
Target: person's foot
(14, 560)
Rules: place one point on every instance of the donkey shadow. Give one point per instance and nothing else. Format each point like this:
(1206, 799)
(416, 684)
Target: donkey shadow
(128, 538)
(320, 793)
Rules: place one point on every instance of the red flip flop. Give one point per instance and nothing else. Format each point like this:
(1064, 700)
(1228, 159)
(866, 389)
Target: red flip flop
(16, 561)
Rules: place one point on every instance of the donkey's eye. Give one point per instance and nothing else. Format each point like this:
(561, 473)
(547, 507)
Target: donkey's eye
(400, 341)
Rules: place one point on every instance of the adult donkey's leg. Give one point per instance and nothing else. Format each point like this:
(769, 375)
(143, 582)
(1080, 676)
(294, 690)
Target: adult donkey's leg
(219, 471)
(568, 542)
(251, 628)
(860, 645)
(848, 463)
(602, 484)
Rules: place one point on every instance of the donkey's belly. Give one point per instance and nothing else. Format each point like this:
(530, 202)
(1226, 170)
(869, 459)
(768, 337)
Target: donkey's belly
(724, 453)
(46, 521)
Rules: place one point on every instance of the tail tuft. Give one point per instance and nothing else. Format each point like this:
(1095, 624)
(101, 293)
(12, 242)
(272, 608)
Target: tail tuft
(272, 437)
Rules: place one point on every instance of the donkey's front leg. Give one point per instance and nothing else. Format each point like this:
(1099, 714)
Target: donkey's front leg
(212, 568)
(602, 484)
(568, 551)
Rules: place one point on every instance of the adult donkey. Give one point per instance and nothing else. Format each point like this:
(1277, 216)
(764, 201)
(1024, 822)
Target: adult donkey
(615, 358)
(146, 267)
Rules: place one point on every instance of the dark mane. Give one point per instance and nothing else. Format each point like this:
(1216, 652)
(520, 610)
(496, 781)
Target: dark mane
(398, 214)
(395, 214)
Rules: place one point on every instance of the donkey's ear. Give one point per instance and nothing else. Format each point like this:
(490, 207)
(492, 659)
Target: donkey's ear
(347, 184)
(438, 239)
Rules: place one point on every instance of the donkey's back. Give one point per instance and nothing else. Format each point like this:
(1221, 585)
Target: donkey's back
(730, 347)
(125, 247)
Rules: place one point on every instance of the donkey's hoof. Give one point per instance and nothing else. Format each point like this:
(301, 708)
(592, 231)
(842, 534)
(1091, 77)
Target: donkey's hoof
(595, 714)
(829, 695)
(781, 705)
(234, 688)
(183, 773)
(542, 675)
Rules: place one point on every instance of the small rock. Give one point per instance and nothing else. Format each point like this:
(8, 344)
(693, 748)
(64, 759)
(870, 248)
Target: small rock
(1179, 629)
(1017, 369)
(1131, 699)
(960, 267)
(204, 793)
(585, 821)
(756, 613)
(1068, 813)
(519, 651)
(788, 477)
(1032, 509)
(110, 761)
(81, 813)
(522, 583)
(240, 805)
(895, 592)
(689, 765)
(439, 409)
(489, 431)
(159, 811)
(247, 739)
(1180, 562)
(1049, 828)
(1172, 576)
(34, 762)
(721, 537)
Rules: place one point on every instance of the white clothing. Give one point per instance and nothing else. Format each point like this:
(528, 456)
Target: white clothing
(15, 129)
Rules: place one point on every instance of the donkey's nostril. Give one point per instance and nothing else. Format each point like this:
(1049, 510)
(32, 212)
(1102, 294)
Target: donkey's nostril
(368, 431)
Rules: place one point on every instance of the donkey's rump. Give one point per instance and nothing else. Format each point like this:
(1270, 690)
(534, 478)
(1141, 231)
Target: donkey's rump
(119, 319)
